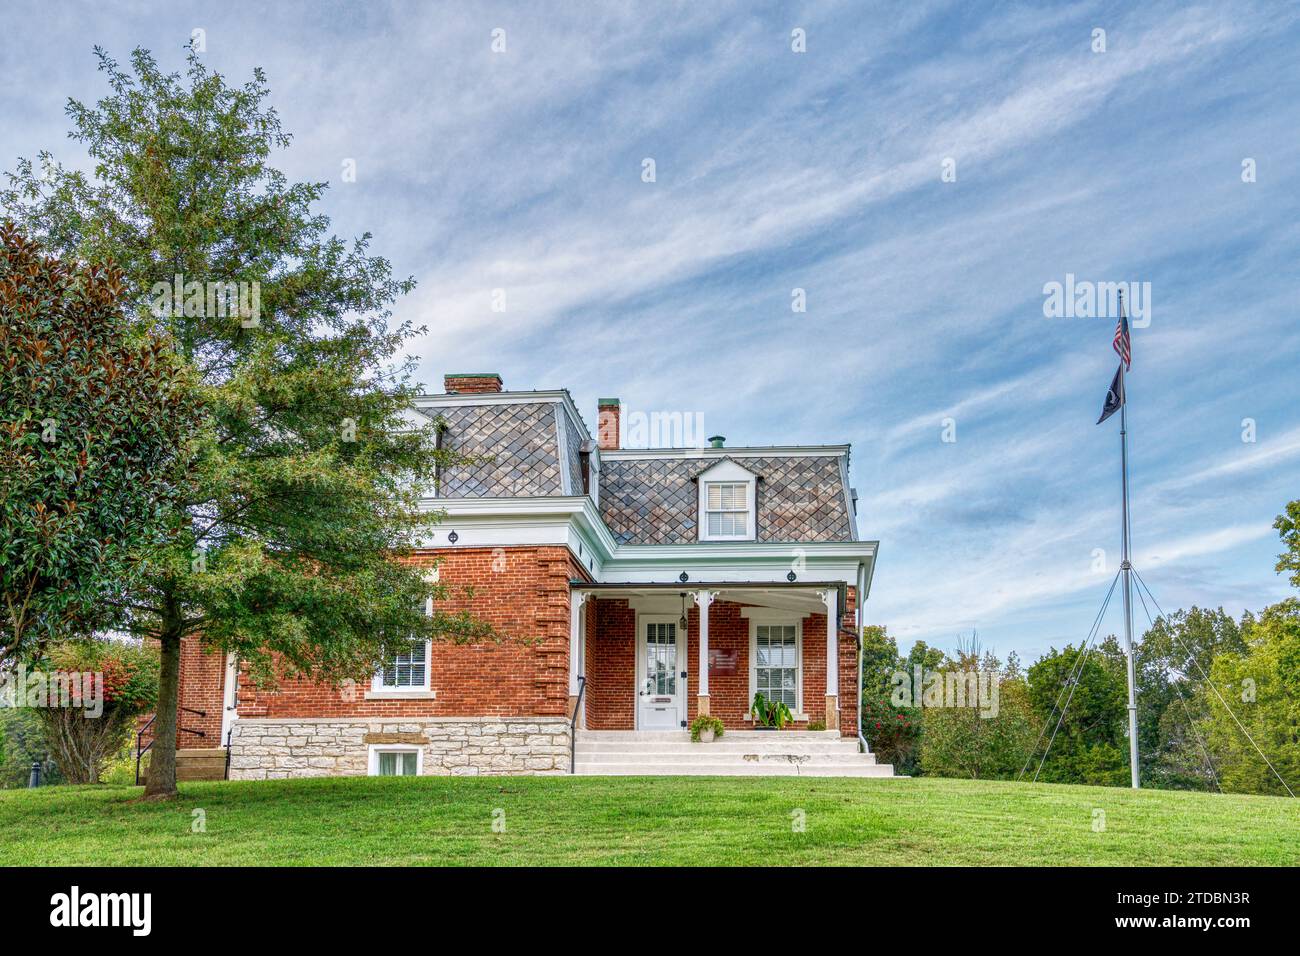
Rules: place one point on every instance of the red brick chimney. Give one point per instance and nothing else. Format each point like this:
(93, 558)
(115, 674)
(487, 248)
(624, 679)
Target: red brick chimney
(464, 383)
(607, 412)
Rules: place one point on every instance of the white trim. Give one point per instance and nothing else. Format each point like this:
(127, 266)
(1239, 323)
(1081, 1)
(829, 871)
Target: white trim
(727, 472)
(577, 635)
(752, 451)
(703, 600)
(562, 454)
(381, 691)
(229, 698)
(831, 599)
(849, 510)
(374, 750)
(785, 618)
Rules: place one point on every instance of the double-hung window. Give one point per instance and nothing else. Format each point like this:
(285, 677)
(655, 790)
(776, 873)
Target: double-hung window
(727, 502)
(776, 655)
(727, 509)
(408, 671)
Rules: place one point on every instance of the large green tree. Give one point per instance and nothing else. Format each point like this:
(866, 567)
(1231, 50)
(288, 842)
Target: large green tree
(1091, 745)
(307, 484)
(96, 417)
(1171, 696)
(1288, 527)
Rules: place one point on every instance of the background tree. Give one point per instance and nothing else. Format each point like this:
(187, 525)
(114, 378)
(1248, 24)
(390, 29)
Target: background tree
(22, 743)
(82, 733)
(1288, 528)
(892, 730)
(308, 482)
(1092, 744)
(1171, 699)
(1262, 686)
(979, 742)
(95, 414)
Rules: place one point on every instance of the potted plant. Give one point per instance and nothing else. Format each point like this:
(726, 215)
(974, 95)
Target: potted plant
(770, 714)
(704, 728)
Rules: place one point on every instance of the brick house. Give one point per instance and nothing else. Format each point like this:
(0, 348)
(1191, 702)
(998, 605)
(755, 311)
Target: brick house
(635, 587)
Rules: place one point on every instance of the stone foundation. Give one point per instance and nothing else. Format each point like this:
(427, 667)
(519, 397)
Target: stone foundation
(277, 748)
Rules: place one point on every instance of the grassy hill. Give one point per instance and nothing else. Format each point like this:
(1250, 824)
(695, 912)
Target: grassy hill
(644, 821)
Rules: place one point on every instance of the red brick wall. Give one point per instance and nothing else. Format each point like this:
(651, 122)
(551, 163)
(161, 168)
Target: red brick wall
(849, 667)
(611, 664)
(202, 687)
(522, 591)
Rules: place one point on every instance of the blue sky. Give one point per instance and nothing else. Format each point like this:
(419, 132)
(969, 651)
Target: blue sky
(776, 170)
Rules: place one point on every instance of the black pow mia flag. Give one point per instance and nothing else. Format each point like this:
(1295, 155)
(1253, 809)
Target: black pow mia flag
(1114, 396)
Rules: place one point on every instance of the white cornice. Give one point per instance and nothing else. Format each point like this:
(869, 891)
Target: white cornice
(575, 523)
(788, 451)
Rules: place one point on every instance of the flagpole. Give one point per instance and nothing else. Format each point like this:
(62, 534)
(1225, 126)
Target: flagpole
(1126, 569)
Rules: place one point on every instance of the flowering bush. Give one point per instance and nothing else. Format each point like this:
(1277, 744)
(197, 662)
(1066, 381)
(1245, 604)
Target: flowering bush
(114, 683)
(894, 733)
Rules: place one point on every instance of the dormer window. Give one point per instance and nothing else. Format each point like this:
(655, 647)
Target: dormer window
(728, 509)
(727, 497)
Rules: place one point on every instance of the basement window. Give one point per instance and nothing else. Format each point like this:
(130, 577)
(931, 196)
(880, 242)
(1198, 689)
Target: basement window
(396, 761)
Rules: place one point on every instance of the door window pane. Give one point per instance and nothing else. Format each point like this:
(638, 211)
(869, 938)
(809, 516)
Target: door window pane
(661, 658)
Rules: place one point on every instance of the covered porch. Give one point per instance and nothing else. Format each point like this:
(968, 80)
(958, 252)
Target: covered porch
(651, 657)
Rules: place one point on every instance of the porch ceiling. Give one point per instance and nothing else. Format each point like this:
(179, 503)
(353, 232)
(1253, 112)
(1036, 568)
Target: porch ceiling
(803, 596)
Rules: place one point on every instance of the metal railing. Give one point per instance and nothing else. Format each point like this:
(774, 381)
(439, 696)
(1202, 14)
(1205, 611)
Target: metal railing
(141, 748)
(573, 725)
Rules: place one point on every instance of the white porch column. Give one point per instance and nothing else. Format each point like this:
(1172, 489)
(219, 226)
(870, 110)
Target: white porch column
(830, 597)
(702, 600)
(577, 630)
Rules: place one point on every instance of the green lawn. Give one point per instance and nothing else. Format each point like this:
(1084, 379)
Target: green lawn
(644, 820)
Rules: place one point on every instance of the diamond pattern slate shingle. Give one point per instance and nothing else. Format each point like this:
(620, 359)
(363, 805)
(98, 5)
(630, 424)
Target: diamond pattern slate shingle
(517, 443)
(655, 501)
(573, 439)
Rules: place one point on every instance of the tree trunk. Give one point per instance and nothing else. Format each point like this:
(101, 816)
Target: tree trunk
(160, 783)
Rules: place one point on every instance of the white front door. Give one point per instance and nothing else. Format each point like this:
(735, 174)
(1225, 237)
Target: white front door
(660, 662)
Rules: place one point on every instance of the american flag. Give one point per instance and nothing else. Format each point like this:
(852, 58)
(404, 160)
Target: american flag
(1121, 342)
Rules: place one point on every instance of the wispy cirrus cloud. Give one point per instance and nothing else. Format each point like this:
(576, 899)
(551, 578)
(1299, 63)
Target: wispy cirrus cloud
(521, 171)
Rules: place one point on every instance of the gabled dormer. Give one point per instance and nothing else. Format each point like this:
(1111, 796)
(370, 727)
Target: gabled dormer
(728, 502)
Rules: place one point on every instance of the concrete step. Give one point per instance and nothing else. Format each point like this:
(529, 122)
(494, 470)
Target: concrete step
(649, 735)
(737, 753)
(723, 746)
(714, 757)
(764, 769)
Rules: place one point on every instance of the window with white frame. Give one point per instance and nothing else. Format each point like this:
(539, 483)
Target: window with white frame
(728, 493)
(395, 761)
(727, 509)
(408, 671)
(776, 663)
